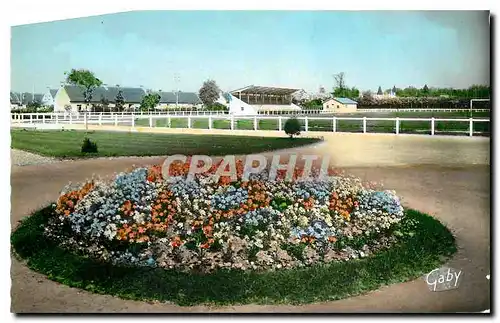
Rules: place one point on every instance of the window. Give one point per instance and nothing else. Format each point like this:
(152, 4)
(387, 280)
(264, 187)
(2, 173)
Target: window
(338, 106)
(242, 108)
(79, 107)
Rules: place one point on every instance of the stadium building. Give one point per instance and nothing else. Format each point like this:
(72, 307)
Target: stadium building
(252, 100)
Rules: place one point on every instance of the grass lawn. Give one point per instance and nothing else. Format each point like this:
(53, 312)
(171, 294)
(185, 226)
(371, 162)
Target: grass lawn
(376, 126)
(68, 143)
(424, 245)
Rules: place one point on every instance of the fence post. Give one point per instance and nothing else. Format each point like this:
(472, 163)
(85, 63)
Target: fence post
(306, 124)
(31, 118)
(210, 122)
(334, 124)
(189, 121)
(169, 121)
(364, 124)
(397, 125)
(432, 126)
(255, 123)
(116, 120)
(280, 123)
(471, 127)
(232, 121)
(133, 120)
(151, 121)
(57, 118)
(43, 118)
(100, 119)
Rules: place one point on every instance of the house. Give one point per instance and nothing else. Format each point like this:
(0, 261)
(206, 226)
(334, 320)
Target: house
(15, 100)
(179, 99)
(340, 105)
(22, 100)
(49, 97)
(70, 98)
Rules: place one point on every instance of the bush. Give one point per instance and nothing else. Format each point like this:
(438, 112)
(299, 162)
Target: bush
(89, 146)
(292, 127)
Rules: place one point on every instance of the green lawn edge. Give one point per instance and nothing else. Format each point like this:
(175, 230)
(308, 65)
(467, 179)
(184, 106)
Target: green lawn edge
(67, 144)
(427, 246)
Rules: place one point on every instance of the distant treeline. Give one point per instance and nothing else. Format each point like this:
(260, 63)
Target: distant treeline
(475, 91)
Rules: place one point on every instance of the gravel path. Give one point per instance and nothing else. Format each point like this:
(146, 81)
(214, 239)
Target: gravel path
(23, 158)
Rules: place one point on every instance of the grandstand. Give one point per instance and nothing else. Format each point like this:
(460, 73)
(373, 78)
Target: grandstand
(253, 99)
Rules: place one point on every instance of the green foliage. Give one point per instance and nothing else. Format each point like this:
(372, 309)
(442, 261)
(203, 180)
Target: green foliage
(292, 127)
(89, 146)
(84, 79)
(351, 93)
(216, 107)
(379, 91)
(425, 90)
(341, 90)
(475, 91)
(119, 101)
(314, 104)
(209, 92)
(34, 105)
(423, 245)
(150, 101)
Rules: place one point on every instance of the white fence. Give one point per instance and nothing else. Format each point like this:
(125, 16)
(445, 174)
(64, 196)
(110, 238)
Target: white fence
(206, 113)
(231, 122)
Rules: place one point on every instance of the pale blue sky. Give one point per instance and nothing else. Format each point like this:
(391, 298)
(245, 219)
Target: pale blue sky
(300, 49)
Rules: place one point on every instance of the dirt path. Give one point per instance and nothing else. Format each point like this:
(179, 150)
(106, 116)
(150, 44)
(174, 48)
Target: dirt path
(459, 196)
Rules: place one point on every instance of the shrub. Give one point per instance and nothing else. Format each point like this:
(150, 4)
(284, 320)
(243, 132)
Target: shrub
(292, 127)
(89, 146)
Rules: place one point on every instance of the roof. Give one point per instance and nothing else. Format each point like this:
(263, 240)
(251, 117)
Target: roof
(130, 94)
(345, 100)
(53, 92)
(184, 98)
(15, 98)
(26, 98)
(252, 89)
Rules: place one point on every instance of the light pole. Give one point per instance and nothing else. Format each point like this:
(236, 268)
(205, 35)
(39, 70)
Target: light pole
(177, 79)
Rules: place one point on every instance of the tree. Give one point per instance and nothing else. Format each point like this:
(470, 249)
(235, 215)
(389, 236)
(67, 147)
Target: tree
(339, 80)
(394, 90)
(87, 81)
(379, 91)
(119, 101)
(209, 92)
(368, 95)
(425, 90)
(292, 127)
(150, 101)
(104, 103)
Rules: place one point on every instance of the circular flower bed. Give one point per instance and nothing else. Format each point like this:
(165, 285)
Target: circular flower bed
(176, 236)
(140, 219)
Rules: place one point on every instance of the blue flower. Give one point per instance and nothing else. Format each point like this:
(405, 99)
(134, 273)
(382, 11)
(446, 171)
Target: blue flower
(229, 198)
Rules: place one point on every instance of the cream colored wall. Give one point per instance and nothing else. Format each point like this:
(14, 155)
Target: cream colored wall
(337, 107)
(61, 100)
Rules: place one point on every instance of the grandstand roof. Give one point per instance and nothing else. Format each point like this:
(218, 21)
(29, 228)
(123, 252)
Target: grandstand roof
(252, 89)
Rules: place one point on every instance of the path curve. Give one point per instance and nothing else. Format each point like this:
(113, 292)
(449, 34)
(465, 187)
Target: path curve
(455, 192)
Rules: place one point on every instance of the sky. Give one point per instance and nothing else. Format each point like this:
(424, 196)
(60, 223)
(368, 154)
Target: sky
(297, 49)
